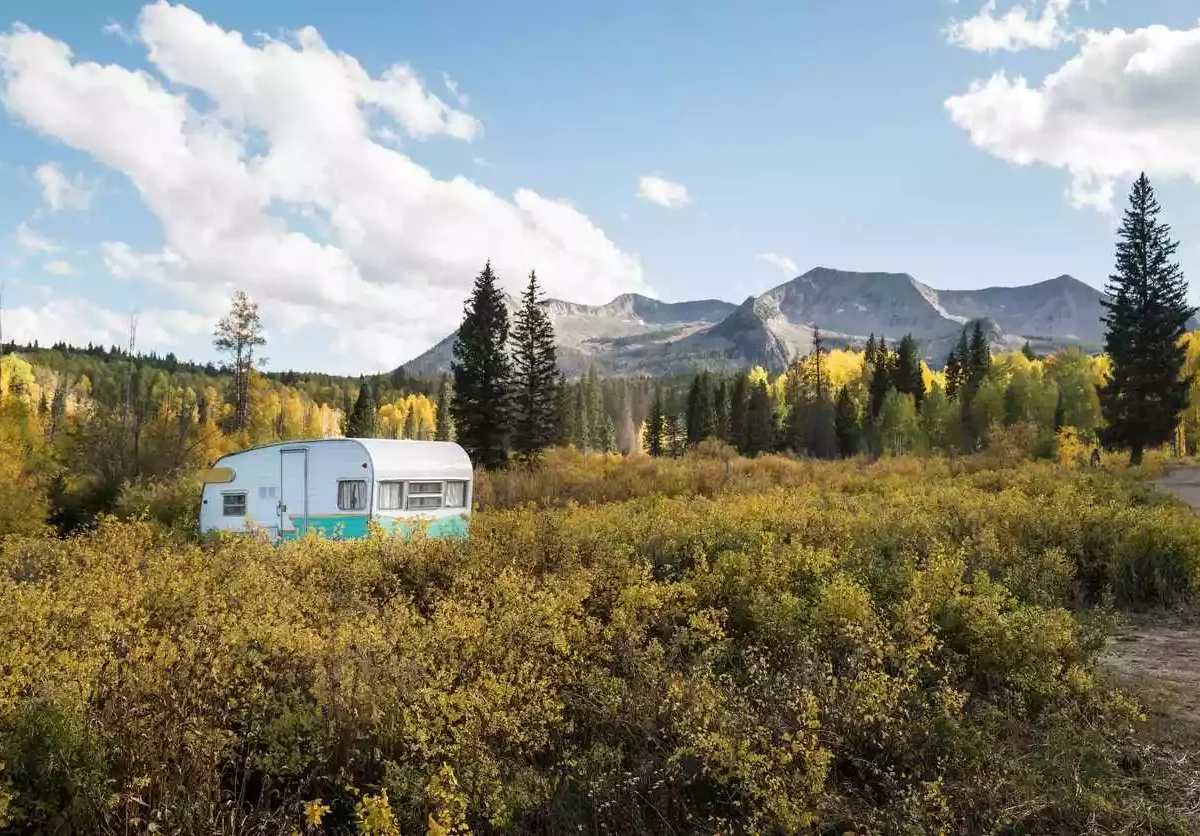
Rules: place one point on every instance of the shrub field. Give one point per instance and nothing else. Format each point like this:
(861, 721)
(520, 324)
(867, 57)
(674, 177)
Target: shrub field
(704, 646)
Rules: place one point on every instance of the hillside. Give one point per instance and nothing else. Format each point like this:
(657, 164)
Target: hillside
(637, 335)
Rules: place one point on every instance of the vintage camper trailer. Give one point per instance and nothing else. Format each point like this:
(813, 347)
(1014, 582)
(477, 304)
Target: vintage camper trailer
(336, 486)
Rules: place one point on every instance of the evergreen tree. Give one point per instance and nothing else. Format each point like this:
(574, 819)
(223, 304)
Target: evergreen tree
(1060, 412)
(881, 379)
(1146, 315)
(760, 421)
(955, 364)
(581, 425)
(906, 374)
(979, 360)
(596, 414)
(238, 334)
(722, 411)
(481, 407)
(412, 429)
(442, 419)
(656, 426)
(701, 410)
(364, 419)
(1027, 350)
(535, 369)
(846, 423)
(739, 403)
(564, 411)
(869, 353)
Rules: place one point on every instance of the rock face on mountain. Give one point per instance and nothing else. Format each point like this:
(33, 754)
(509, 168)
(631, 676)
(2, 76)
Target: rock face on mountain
(637, 335)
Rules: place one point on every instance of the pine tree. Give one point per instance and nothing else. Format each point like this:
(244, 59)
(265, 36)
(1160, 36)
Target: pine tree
(564, 411)
(701, 410)
(481, 407)
(364, 420)
(979, 360)
(760, 421)
(739, 403)
(906, 374)
(869, 353)
(596, 413)
(442, 418)
(238, 333)
(1146, 315)
(846, 423)
(721, 410)
(954, 367)
(1027, 350)
(535, 369)
(881, 379)
(655, 426)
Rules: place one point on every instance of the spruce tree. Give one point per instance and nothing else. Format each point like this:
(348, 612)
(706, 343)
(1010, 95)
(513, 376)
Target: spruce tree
(869, 352)
(979, 360)
(954, 367)
(596, 414)
(481, 407)
(846, 423)
(881, 379)
(906, 374)
(739, 403)
(655, 426)
(1028, 351)
(721, 411)
(701, 410)
(1146, 315)
(535, 369)
(442, 419)
(364, 420)
(564, 411)
(760, 421)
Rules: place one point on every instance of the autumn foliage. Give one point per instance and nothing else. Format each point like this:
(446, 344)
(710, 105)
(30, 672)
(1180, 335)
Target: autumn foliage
(779, 646)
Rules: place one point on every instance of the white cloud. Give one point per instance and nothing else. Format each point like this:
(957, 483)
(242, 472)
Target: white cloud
(1125, 103)
(78, 322)
(59, 267)
(1015, 30)
(61, 191)
(34, 242)
(114, 28)
(402, 247)
(452, 86)
(481, 162)
(655, 189)
(785, 264)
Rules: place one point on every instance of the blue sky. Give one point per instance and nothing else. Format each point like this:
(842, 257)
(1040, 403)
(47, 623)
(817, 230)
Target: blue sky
(804, 133)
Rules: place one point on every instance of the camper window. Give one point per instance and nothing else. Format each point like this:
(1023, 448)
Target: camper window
(424, 496)
(391, 496)
(352, 495)
(233, 504)
(456, 494)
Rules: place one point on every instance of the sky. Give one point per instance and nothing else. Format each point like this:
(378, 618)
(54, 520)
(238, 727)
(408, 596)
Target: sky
(352, 165)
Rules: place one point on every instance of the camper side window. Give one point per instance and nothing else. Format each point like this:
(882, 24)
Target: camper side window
(352, 495)
(456, 494)
(424, 496)
(391, 496)
(233, 504)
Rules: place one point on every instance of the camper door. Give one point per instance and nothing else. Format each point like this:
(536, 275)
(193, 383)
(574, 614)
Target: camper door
(293, 489)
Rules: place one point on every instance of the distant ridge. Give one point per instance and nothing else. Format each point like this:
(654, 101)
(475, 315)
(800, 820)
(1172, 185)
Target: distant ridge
(634, 334)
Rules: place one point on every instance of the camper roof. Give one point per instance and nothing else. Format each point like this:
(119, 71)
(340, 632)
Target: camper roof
(397, 458)
(394, 458)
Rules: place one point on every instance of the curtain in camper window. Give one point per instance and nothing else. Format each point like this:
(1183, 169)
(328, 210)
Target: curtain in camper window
(456, 494)
(352, 495)
(391, 496)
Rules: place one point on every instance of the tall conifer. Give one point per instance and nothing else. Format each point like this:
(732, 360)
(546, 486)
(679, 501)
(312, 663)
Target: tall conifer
(481, 407)
(1146, 315)
(535, 369)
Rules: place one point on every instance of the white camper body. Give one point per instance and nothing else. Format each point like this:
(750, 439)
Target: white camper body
(338, 486)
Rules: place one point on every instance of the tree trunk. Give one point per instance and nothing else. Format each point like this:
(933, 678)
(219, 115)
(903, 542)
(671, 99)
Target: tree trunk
(1135, 455)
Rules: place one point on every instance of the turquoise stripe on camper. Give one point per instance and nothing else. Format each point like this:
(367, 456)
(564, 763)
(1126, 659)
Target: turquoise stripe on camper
(355, 526)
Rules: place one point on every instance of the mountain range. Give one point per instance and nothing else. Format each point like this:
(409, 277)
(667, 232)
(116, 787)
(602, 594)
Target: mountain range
(635, 334)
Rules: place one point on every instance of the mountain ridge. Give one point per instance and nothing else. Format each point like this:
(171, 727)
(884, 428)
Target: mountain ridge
(637, 334)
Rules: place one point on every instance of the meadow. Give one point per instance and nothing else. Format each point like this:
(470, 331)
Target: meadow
(624, 645)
